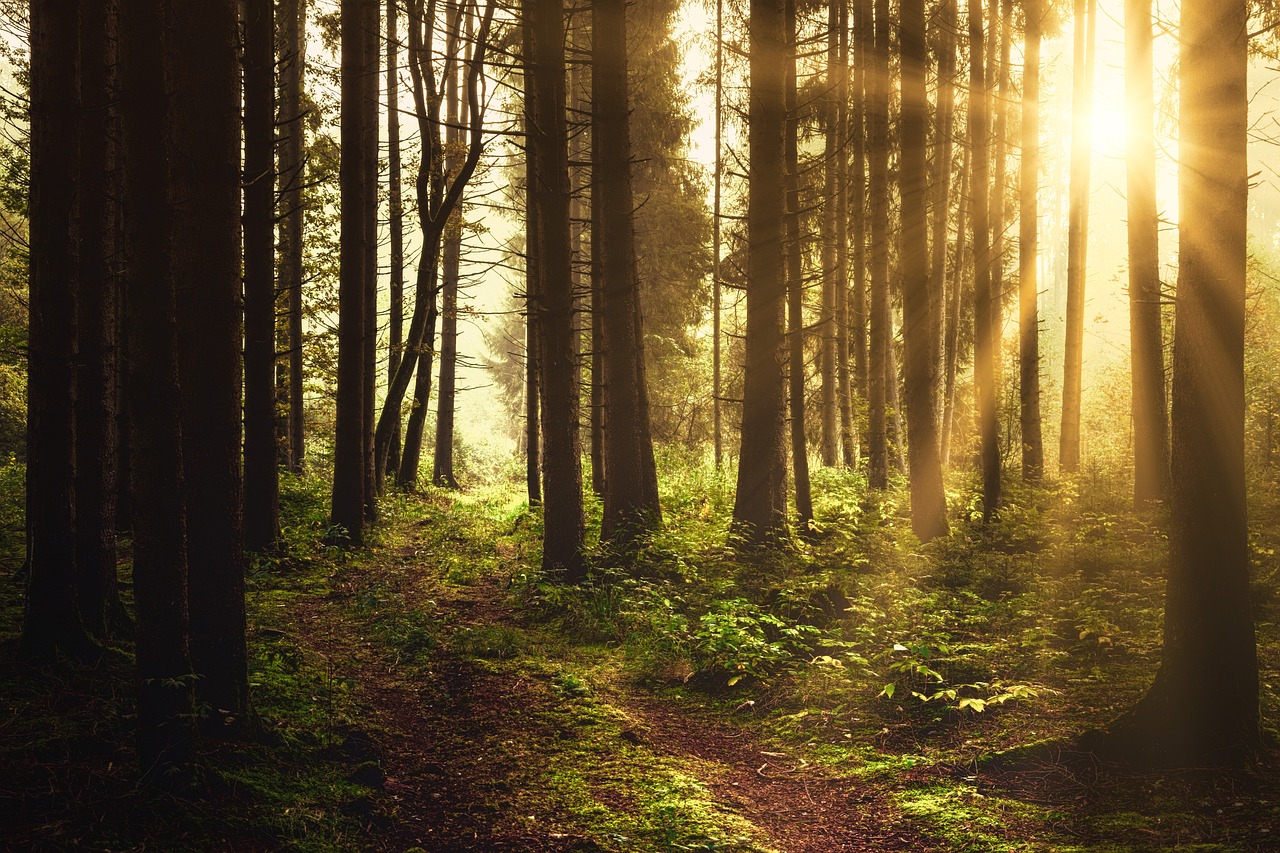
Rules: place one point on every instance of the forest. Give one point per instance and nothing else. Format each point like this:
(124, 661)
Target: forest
(557, 426)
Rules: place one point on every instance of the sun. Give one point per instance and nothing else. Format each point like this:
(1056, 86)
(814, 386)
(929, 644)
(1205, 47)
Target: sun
(1110, 122)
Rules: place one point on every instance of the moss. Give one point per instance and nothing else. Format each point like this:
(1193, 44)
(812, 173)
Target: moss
(967, 820)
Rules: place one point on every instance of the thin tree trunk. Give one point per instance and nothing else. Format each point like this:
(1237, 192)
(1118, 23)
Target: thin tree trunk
(844, 384)
(369, 171)
(760, 503)
(951, 337)
(858, 129)
(599, 476)
(830, 207)
(532, 275)
(1028, 248)
(880, 330)
(1150, 426)
(928, 501)
(293, 212)
(717, 392)
(1077, 234)
(395, 220)
(984, 334)
(261, 455)
(944, 131)
(795, 289)
(563, 524)
(349, 457)
(1002, 15)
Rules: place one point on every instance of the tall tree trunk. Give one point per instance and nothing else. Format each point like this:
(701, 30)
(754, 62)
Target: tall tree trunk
(1150, 426)
(206, 173)
(1202, 708)
(795, 289)
(984, 333)
(944, 131)
(292, 211)
(52, 621)
(881, 334)
(349, 457)
(1077, 232)
(1002, 25)
(446, 396)
(844, 383)
(830, 207)
(563, 524)
(369, 243)
(951, 334)
(760, 503)
(599, 476)
(858, 129)
(1028, 249)
(96, 374)
(532, 278)
(928, 501)
(716, 292)
(158, 507)
(631, 489)
(261, 472)
(395, 220)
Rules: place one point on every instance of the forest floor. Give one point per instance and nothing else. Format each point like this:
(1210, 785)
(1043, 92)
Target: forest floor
(434, 693)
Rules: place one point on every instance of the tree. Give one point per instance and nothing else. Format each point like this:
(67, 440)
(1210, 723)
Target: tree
(928, 500)
(564, 528)
(944, 130)
(205, 172)
(349, 456)
(395, 219)
(164, 730)
(292, 165)
(880, 335)
(1202, 708)
(1077, 232)
(716, 284)
(261, 454)
(631, 485)
(532, 288)
(984, 332)
(1150, 426)
(1028, 249)
(844, 379)
(829, 325)
(795, 291)
(955, 294)
(857, 191)
(52, 620)
(760, 503)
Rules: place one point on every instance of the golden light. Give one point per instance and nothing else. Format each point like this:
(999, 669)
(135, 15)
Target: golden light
(1109, 124)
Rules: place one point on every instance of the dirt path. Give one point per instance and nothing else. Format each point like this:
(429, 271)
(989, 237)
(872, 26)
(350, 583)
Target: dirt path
(475, 754)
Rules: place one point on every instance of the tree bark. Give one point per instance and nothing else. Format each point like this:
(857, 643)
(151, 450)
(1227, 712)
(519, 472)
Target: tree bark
(858, 130)
(944, 131)
(760, 503)
(52, 621)
(928, 500)
(1028, 249)
(631, 488)
(261, 471)
(830, 208)
(984, 333)
(951, 335)
(292, 172)
(716, 291)
(1202, 708)
(795, 290)
(844, 381)
(563, 524)
(395, 221)
(880, 332)
(1146, 337)
(1077, 233)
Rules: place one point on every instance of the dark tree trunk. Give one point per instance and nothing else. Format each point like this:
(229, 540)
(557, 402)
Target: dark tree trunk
(1150, 424)
(442, 459)
(944, 131)
(984, 333)
(349, 457)
(395, 221)
(716, 284)
(415, 426)
(532, 289)
(928, 501)
(205, 171)
(1202, 708)
(52, 621)
(795, 291)
(951, 334)
(151, 387)
(1077, 233)
(292, 177)
(881, 337)
(1028, 248)
(830, 209)
(760, 504)
(261, 455)
(95, 380)
(631, 488)
(369, 243)
(599, 478)
(858, 129)
(844, 380)
(1001, 25)
(564, 528)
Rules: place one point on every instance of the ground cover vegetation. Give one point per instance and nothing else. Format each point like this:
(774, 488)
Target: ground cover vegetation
(739, 532)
